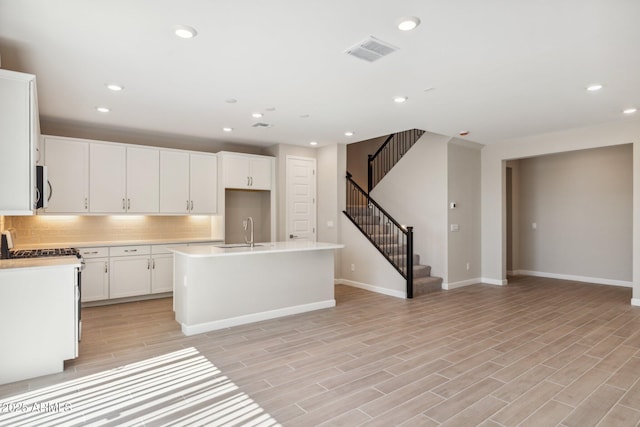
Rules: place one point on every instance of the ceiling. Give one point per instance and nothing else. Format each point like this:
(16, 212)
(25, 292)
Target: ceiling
(497, 69)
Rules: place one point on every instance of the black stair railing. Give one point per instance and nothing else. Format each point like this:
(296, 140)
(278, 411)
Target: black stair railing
(392, 150)
(392, 240)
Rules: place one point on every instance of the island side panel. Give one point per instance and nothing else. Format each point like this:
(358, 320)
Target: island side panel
(38, 317)
(225, 290)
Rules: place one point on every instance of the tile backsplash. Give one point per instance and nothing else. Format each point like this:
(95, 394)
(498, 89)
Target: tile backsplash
(42, 229)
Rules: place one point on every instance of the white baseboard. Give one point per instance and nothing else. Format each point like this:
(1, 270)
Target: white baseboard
(460, 284)
(255, 317)
(584, 279)
(635, 301)
(376, 289)
(496, 282)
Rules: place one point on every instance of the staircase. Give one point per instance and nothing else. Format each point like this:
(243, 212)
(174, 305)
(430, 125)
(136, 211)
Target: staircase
(393, 241)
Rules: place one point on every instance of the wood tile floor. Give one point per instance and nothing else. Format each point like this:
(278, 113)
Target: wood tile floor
(537, 352)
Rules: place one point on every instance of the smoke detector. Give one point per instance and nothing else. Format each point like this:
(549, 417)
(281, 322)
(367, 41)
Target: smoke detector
(371, 49)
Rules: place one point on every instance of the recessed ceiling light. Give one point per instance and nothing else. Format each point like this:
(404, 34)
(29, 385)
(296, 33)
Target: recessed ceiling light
(304, 116)
(313, 143)
(408, 23)
(230, 100)
(400, 99)
(630, 110)
(115, 87)
(594, 87)
(348, 133)
(463, 133)
(270, 108)
(184, 31)
(227, 129)
(103, 109)
(429, 89)
(256, 115)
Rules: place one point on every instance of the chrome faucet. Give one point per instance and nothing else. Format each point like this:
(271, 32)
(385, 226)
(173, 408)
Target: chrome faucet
(245, 224)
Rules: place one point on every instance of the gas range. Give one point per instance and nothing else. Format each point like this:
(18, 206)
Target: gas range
(39, 253)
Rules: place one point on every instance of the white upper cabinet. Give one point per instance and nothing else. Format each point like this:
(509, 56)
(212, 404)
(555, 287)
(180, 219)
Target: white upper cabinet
(143, 186)
(19, 132)
(67, 161)
(123, 179)
(203, 184)
(107, 178)
(247, 171)
(174, 182)
(188, 183)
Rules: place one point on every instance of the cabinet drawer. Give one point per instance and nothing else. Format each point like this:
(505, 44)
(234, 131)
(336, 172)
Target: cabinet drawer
(94, 252)
(129, 250)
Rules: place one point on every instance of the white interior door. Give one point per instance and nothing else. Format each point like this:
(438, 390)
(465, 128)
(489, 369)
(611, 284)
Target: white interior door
(301, 198)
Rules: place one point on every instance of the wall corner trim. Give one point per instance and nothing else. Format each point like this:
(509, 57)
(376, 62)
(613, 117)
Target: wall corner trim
(497, 282)
(461, 283)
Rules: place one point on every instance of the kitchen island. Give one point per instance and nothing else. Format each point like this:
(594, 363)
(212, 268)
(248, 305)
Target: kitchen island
(216, 287)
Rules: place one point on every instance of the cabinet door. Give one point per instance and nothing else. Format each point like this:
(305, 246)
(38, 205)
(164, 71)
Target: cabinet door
(204, 184)
(95, 279)
(174, 182)
(129, 276)
(17, 143)
(161, 274)
(143, 188)
(68, 173)
(107, 178)
(236, 172)
(260, 169)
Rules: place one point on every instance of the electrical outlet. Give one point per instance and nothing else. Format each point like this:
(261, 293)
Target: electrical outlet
(353, 267)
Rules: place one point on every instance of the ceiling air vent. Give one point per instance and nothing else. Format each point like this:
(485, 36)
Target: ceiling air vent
(261, 125)
(371, 49)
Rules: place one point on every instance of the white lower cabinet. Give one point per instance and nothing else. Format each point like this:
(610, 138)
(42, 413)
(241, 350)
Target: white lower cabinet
(126, 271)
(161, 269)
(130, 271)
(95, 274)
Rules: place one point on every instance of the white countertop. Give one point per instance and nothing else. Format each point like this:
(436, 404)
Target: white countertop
(260, 248)
(43, 262)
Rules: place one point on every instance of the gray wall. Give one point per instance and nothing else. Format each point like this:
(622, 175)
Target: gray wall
(358, 158)
(463, 161)
(582, 205)
(240, 204)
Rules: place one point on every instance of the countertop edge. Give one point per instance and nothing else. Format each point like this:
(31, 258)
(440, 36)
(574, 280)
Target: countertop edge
(265, 249)
(36, 263)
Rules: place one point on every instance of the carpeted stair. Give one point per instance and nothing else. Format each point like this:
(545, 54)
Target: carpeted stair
(423, 281)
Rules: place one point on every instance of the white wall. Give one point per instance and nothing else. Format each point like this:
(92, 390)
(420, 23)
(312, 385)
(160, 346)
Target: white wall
(581, 203)
(371, 270)
(493, 194)
(331, 197)
(463, 160)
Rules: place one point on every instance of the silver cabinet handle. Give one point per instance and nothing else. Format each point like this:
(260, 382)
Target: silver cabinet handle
(106, 267)
(90, 253)
(248, 181)
(128, 204)
(187, 206)
(148, 264)
(50, 190)
(192, 205)
(293, 236)
(131, 250)
(123, 205)
(86, 203)
(154, 264)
